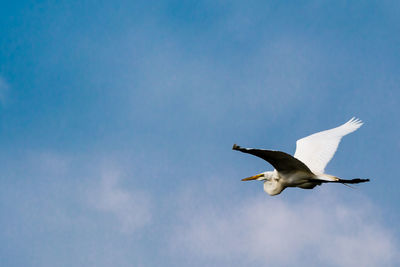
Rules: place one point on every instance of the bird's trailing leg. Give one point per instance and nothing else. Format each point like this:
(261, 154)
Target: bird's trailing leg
(346, 181)
(352, 181)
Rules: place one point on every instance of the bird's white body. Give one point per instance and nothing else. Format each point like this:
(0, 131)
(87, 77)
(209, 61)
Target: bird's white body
(275, 182)
(306, 169)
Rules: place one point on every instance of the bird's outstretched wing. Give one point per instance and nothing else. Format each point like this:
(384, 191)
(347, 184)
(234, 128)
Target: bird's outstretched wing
(280, 160)
(317, 150)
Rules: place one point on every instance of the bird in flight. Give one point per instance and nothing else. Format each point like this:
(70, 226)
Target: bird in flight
(306, 168)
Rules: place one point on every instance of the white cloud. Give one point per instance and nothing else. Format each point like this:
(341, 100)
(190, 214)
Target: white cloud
(130, 208)
(319, 230)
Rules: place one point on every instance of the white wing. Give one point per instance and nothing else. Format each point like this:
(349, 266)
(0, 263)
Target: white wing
(317, 150)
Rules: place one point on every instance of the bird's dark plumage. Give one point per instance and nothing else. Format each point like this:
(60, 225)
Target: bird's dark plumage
(281, 161)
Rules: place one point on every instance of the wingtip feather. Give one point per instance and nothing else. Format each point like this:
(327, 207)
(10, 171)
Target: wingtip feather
(355, 121)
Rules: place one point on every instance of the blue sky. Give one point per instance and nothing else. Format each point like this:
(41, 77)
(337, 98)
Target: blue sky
(117, 121)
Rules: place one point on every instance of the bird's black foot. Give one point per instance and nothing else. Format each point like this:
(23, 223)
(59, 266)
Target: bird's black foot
(353, 181)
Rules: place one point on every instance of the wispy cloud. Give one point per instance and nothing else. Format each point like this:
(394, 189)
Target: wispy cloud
(130, 208)
(319, 230)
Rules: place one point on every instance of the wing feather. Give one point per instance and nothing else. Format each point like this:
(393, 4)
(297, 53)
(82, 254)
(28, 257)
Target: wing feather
(281, 161)
(317, 150)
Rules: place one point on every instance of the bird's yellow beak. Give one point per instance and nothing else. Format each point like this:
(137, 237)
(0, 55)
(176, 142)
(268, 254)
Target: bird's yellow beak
(253, 177)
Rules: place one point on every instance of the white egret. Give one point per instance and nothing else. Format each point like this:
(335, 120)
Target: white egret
(306, 168)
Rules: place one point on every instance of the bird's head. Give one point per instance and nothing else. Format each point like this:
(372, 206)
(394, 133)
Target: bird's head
(272, 186)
